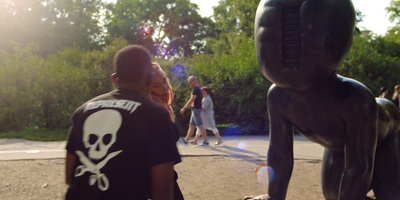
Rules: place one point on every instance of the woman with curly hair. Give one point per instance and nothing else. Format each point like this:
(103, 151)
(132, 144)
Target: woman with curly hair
(161, 92)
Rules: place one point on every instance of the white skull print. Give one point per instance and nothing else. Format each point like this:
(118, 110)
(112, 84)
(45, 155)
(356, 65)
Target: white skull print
(100, 132)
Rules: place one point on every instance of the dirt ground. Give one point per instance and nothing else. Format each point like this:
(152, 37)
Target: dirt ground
(202, 177)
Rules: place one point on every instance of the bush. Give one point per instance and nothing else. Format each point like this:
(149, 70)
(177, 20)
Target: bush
(45, 92)
(237, 87)
(372, 68)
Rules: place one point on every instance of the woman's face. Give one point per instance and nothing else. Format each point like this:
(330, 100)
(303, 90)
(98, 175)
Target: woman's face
(160, 85)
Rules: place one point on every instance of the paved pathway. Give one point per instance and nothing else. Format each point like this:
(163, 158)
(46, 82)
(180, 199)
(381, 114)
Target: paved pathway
(15, 149)
(254, 146)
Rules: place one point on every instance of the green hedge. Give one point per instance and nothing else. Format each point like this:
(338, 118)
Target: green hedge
(44, 92)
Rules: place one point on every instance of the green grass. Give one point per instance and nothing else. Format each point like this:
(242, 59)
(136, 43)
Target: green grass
(37, 134)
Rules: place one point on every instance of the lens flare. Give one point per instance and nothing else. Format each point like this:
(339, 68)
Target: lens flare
(242, 145)
(145, 31)
(178, 70)
(265, 174)
(166, 52)
(232, 130)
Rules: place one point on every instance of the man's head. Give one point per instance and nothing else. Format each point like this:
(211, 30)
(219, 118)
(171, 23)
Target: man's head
(397, 88)
(192, 81)
(132, 68)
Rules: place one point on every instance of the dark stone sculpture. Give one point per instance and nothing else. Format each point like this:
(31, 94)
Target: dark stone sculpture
(300, 45)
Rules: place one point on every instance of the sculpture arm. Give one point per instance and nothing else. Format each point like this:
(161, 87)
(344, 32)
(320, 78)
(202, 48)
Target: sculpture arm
(361, 141)
(280, 152)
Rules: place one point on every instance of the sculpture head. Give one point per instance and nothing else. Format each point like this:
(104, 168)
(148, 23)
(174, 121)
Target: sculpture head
(301, 42)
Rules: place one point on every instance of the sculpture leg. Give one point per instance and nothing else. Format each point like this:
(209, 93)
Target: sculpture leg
(332, 169)
(386, 179)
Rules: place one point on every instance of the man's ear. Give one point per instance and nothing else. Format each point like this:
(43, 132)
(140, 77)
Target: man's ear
(115, 79)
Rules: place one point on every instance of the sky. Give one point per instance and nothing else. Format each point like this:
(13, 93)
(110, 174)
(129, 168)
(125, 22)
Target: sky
(375, 18)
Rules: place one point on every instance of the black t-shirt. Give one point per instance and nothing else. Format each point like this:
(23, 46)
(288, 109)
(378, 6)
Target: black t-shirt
(117, 137)
(199, 96)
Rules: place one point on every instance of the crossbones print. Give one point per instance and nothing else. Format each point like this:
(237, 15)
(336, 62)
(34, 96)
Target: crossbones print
(89, 166)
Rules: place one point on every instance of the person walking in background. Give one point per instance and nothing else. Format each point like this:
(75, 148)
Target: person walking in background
(162, 94)
(208, 117)
(121, 144)
(384, 93)
(396, 95)
(195, 119)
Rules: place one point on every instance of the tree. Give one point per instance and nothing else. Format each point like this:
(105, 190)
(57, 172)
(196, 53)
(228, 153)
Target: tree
(52, 24)
(74, 22)
(236, 16)
(22, 21)
(394, 16)
(184, 28)
(359, 19)
(394, 11)
(123, 20)
(233, 19)
(166, 27)
(388, 44)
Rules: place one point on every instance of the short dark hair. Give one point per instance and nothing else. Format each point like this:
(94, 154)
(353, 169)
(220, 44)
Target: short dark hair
(206, 89)
(130, 61)
(383, 89)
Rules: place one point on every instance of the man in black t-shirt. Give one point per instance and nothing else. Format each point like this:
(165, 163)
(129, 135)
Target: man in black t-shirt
(121, 144)
(195, 120)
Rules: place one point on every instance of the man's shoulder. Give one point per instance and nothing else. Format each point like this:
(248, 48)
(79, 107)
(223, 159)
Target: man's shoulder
(196, 89)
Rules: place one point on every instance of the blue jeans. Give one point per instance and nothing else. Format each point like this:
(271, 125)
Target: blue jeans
(195, 118)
